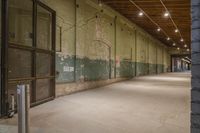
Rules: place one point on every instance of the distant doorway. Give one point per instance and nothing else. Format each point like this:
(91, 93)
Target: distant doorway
(181, 63)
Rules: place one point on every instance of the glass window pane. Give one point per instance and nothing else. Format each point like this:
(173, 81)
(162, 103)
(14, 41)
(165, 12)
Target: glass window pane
(19, 63)
(44, 25)
(43, 64)
(43, 89)
(20, 22)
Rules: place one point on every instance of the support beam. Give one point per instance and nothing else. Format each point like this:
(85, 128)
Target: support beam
(195, 113)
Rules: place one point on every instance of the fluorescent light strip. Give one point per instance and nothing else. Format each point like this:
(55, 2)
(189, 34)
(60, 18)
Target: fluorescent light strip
(186, 60)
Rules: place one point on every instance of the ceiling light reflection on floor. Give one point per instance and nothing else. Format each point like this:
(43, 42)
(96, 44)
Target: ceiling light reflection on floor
(168, 78)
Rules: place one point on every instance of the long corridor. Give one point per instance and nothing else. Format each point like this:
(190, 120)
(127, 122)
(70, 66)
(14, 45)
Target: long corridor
(148, 104)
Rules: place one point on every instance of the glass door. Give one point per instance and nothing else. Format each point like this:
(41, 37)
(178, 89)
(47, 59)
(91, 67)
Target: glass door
(31, 50)
(44, 53)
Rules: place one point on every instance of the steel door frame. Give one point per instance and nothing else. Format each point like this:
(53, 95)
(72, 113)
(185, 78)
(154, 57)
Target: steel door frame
(4, 48)
(4, 54)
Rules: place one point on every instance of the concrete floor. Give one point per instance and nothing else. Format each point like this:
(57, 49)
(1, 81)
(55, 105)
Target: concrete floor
(149, 104)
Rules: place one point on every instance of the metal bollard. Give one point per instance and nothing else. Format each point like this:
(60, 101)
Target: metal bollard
(23, 99)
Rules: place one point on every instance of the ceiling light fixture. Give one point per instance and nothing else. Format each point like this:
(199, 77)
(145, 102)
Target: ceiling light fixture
(174, 44)
(153, 21)
(188, 49)
(182, 40)
(166, 14)
(178, 48)
(158, 29)
(140, 13)
(166, 10)
(185, 45)
(168, 38)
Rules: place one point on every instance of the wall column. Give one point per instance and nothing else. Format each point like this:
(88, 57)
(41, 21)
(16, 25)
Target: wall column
(195, 113)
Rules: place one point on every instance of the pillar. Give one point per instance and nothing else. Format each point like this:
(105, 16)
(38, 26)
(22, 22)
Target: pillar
(195, 105)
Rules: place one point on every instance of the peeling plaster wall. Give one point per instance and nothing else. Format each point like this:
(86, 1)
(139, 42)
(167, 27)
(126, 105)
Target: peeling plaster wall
(142, 54)
(166, 61)
(152, 57)
(65, 38)
(160, 66)
(96, 44)
(125, 42)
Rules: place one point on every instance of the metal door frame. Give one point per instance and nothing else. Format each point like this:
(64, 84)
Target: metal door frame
(4, 48)
(4, 54)
(52, 52)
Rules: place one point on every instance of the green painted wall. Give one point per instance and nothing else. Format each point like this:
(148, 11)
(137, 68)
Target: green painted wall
(125, 43)
(152, 57)
(142, 53)
(95, 43)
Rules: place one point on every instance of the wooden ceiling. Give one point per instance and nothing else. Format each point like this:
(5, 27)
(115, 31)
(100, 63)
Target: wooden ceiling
(154, 10)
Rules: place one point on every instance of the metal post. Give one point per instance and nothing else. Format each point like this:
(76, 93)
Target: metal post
(110, 63)
(23, 99)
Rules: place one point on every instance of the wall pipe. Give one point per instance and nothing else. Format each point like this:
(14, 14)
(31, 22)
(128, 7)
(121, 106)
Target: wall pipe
(135, 52)
(75, 37)
(115, 43)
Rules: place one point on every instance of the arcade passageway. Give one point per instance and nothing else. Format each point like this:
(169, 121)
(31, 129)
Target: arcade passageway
(148, 104)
